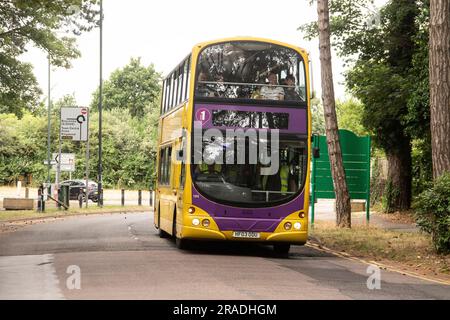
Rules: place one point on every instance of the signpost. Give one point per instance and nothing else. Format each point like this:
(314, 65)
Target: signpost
(74, 123)
(74, 126)
(66, 162)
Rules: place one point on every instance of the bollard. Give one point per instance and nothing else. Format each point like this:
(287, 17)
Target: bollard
(80, 200)
(27, 193)
(151, 198)
(41, 202)
(123, 198)
(139, 197)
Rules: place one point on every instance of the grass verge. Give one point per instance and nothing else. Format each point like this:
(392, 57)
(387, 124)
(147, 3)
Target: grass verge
(6, 216)
(408, 251)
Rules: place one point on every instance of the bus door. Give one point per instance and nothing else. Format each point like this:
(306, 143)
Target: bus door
(165, 188)
(181, 173)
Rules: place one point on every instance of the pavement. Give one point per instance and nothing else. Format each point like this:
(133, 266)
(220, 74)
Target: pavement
(120, 256)
(324, 210)
(111, 196)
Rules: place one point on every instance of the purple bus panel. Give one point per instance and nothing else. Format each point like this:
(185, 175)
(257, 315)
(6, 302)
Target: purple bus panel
(266, 219)
(230, 218)
(296, 118)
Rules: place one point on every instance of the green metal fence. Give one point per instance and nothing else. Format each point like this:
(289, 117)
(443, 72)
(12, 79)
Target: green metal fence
(356, 157)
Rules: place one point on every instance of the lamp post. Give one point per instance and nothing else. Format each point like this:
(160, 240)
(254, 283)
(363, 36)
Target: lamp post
(100, 103)
(48, 121)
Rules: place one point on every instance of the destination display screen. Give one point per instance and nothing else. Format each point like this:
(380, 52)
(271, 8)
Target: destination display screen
(250, 119)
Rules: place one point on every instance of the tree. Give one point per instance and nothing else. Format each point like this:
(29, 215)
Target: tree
(440, 85)
(134, 88)
(36, 22)
(380, 47)
(343, 209)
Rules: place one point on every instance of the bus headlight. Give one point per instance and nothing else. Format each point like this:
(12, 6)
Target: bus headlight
(287, 226)
(297, 226)
(195, 222)
(206, 223)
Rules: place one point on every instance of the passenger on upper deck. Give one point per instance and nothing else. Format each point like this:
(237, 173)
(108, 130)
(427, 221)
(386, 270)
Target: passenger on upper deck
(272, 91)
(202, 88)
(290, 93)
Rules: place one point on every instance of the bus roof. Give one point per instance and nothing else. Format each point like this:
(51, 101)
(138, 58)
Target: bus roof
(239, 38)
(248, 38)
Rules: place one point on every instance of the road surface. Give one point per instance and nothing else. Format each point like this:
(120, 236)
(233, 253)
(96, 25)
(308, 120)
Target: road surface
(121, 257)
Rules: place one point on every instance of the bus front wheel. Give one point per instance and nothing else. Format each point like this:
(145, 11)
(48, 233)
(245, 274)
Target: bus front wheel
(281, 248)
(181, 244)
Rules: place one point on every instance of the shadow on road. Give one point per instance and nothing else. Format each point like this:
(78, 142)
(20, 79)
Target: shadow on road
(235, 248)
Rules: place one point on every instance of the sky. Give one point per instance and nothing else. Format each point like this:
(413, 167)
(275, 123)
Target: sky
(164, 32)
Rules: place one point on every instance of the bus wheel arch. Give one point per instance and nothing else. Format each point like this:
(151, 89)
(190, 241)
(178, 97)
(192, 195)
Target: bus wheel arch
(161, 232)
(182, 244)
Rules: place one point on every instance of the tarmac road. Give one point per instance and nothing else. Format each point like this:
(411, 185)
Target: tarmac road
(120, 256)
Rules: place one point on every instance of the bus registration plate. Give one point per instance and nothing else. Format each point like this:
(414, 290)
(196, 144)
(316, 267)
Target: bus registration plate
(246, 234)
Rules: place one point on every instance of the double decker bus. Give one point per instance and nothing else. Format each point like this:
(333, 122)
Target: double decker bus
(234, 145)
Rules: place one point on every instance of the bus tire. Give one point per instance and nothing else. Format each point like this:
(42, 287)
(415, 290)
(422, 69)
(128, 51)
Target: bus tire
(281, 248)
(181, 244)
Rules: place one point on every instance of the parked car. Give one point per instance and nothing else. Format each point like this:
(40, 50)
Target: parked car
(77, 189)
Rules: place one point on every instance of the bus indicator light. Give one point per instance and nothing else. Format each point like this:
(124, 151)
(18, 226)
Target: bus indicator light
(191, 210)
(287, 226)
(206, 223)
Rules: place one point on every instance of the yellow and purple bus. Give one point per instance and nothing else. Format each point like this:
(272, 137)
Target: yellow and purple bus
(234, 145)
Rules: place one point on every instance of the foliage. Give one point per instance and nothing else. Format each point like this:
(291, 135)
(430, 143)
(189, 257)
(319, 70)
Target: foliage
(349, 114)
(133, 88)
(387, 51)
(433, 212)
(24, 22)
(377, 182)
(318, 120)
(128, 148)
(21, 141)
(422, 172)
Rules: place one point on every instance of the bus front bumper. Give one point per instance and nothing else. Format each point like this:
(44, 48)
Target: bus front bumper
(201, 233)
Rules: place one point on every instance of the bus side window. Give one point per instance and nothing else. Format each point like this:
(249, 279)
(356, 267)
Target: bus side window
(168, 165)
(182, 175)
(165, 166)
(161, 166)
(187, 71)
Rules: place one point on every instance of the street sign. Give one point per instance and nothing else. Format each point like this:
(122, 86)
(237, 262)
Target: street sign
(67, 162)
(74, 123)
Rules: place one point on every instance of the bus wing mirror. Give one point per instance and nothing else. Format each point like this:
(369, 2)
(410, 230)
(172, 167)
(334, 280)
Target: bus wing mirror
(316, 152)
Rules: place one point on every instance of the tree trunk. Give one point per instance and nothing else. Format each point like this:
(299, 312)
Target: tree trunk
(398, 189)
(439, 64)
(343, 209)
